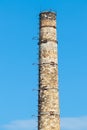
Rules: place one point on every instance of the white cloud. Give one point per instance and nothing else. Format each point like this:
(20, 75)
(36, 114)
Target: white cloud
(21, 125)
(74, 123)
(67, 123)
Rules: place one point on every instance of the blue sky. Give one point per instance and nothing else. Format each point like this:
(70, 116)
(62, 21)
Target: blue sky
(19, 23)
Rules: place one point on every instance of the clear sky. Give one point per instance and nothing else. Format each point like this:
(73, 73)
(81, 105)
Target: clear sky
(19, 23)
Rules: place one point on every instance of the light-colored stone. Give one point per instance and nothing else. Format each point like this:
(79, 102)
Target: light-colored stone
(48, 105)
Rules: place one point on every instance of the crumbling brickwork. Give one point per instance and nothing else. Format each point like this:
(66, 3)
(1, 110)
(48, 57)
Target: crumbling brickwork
(48, 99)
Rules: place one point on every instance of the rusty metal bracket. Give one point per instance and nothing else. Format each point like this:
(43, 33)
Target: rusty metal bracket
(51, 63)
(51, 113)
(48, 26)
(46, 88)
(46, 40)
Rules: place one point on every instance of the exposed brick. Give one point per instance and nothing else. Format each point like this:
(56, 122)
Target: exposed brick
(48, 104)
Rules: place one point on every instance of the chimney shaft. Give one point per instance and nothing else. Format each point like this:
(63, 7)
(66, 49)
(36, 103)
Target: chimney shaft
(48, 99)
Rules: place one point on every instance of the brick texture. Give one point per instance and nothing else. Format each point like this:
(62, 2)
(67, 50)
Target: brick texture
(48, 99)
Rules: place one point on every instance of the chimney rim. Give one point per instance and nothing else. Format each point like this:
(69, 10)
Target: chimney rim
(47, 12)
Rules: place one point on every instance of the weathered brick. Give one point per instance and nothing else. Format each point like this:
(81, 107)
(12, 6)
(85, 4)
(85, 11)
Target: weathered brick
(48, 105)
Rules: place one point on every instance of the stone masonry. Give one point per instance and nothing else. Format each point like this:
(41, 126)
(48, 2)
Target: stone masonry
(48, 100)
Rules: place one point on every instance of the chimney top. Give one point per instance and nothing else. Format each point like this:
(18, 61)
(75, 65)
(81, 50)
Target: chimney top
(48, 15)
